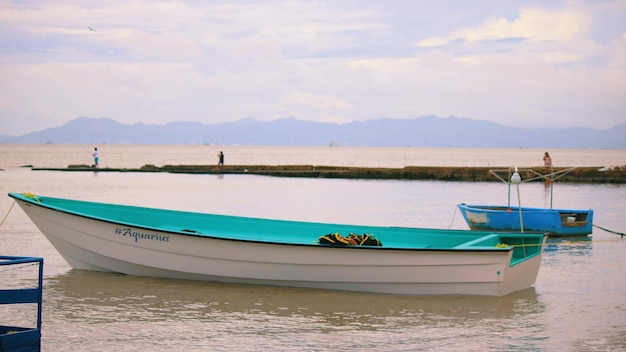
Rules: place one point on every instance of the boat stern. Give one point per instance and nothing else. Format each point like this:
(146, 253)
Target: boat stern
(524, 263)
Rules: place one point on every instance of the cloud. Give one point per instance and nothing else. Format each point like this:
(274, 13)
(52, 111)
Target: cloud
(532, 25)
(324, 104)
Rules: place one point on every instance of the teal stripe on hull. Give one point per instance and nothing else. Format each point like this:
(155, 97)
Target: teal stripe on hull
(268, 230)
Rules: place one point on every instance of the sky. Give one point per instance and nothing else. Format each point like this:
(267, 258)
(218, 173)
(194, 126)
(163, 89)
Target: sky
(518, 63)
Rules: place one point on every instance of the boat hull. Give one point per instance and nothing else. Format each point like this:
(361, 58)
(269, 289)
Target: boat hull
(555, 222)
(474, 266)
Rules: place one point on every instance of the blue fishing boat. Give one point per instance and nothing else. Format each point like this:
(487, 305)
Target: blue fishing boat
(187, 245)
(555, 222)
(18, 338)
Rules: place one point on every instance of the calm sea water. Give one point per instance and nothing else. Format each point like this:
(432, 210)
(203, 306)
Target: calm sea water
(577, 304)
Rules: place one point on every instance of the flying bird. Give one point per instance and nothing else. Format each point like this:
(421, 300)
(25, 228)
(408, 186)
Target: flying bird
(91, 29)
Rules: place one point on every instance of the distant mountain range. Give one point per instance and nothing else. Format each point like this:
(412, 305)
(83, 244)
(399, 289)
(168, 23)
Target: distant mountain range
(428, 131)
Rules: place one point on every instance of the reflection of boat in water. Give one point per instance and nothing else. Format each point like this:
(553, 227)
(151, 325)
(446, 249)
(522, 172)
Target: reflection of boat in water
(555, 222)
(569, 246)
(96, 297)
(19, 338)
(184, 245)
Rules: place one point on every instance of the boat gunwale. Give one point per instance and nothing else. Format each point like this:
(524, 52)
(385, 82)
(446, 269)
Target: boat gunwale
(500, 208)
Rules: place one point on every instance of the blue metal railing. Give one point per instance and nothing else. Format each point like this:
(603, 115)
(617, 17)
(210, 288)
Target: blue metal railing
(15, 338)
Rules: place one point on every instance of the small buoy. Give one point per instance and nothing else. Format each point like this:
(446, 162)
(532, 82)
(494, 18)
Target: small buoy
(516, 179)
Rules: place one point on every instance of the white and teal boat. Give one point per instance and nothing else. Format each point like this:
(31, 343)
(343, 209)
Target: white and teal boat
(186, 245)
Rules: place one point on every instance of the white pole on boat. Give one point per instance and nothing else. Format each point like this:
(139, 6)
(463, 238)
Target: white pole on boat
(516, 179)
(551, 190)
(509, 185)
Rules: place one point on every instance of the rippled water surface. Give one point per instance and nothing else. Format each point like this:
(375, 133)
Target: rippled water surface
(577, 304)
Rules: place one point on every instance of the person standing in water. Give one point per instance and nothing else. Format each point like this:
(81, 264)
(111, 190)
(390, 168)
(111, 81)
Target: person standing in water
(95, 157)
(547, 162)
(220, 161)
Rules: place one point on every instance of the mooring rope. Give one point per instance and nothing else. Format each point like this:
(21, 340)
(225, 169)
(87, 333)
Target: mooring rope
(7, 214)
(453, 217)
(611, 231)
